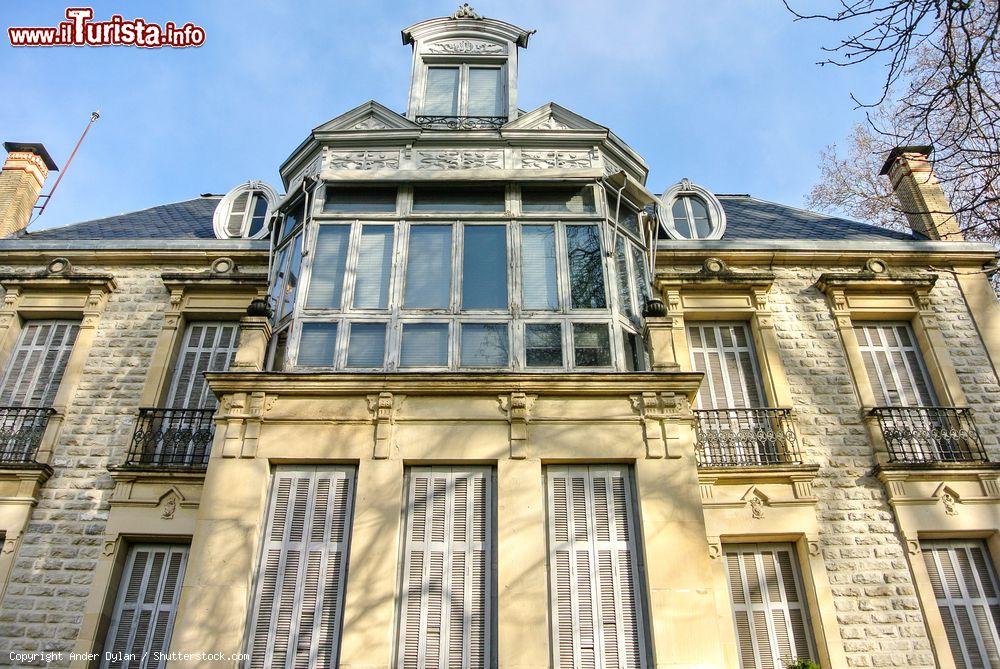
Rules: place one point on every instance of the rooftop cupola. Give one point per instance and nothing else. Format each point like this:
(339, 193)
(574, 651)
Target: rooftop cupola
(464, 71)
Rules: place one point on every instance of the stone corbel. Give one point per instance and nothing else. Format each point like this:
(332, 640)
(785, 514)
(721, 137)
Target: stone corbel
(8, 311)
(661, 415)
(11, 543)
(242, 414)
(383, 408)
(762, 310)
(92, 308)
(517, 407)
(714, 547)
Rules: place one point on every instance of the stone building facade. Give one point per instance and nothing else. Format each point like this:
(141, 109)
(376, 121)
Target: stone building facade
(469, 393)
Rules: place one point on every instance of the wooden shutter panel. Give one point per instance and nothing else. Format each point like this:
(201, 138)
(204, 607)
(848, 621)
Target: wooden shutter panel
(966, 588)
(298, 603)
(446, 610)
(144, 611)
(597, 614)
(37, 363)
(894, 364)
(725, 353)
(769, 608)
(208, 345)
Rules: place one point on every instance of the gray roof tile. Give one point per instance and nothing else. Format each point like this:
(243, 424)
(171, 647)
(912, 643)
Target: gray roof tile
(190, 219)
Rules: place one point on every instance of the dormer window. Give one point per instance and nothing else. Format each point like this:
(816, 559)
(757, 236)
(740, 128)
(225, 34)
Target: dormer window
(243, 212)
(692, 212)
(464, 90)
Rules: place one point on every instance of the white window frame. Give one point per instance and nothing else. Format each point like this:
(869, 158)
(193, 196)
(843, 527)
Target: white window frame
(223, 211)
(463, 67)
(50, 386)
(736, 350)
(216, 347)
(888, 347)
(716, 214)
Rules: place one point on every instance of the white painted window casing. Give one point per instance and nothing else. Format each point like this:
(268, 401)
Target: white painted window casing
(597, 614)
(446, 601)
(894, 364)
(37, 363)
(968, 597)
(725, 353)
(769, 608)
(146, 605)
(297, 608)
(207, 346)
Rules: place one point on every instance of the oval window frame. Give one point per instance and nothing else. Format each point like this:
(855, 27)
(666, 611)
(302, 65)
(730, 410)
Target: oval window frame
(716, 214)
(220, 217)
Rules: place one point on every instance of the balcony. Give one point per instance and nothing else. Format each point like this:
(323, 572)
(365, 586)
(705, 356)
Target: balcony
(21, 432)
(745, 438)
(172, 439)
(929, 434)
(462, 122)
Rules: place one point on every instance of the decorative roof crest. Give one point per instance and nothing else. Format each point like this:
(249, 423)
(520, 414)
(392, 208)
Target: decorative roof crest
(465, 11)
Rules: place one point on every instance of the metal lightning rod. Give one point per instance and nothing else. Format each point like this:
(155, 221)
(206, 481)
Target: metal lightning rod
(48, 198)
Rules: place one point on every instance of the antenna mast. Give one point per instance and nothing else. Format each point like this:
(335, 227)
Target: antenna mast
(48, 198)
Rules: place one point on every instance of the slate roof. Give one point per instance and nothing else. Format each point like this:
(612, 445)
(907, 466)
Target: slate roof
(748, 219)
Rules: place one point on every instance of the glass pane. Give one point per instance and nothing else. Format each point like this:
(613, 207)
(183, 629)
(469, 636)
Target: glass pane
(591, 345)
(622, 279)
(424, 345)
(459, 199)
(628, 216)
(278, 278)
(428, 267)
(347, 199)
(634, 358)
(280, 350)
(484, 345)
(538, 267)
(371, 291)
(329, 260)
(317, 344)
(679, 213)
(366, 347)
(543, 345)
(702, 223)
(259, 215)
(292, 276)
(558, 199)
(485, 92)
(586, 274)
(441, 92)
(293, 217)
(641, 278)
(484, 267)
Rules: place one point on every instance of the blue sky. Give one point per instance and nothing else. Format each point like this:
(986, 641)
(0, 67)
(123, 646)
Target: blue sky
(726, 93)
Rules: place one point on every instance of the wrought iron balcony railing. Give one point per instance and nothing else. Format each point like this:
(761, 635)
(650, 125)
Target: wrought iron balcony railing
(179, 438)
(462, 122)
(930, 434)
(21, 431)
(746, 438)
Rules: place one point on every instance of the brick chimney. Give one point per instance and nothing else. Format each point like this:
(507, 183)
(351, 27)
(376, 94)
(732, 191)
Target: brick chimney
(21, 181)
(920, 194)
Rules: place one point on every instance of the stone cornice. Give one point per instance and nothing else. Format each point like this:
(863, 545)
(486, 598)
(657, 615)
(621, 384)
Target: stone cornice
(714, 274)
(454, 383)
(210, 279)
(50, 281)
(798, 253)
(874, 281)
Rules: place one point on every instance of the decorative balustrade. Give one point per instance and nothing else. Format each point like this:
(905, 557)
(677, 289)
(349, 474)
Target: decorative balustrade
(177, 438)
(21, 431)
(462, 122)
(930, 434)
(745, 438)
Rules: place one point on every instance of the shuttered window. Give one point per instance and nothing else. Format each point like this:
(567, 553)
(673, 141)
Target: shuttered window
(769, 608)
(446, 610)
(36, 366)
(143, 617)
(298, 603)
(725, 353)
(894, 364)
(966, 588)
(208, 346)
(597, 611)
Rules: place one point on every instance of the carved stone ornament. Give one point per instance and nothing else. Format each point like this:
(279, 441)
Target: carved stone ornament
(714, 266)
(363, 160)
(714, 549)
(465, 11)
(813, 548)
(369, 123)
(949, 501)
(456, 160)
(555, 159)
(223, 265)
(472, 47)
(552, 124)
(876, 266)
(169, 508)
(59, 266)
(756, 507)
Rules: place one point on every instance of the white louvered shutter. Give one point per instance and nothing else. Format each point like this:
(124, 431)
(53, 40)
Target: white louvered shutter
(36, 366)
(894, 364)
(298, 604)
(146, 605)
(597, 613)
(965, 586)
(769, 608)
(725, 353)
(208, 346)
(446, 610)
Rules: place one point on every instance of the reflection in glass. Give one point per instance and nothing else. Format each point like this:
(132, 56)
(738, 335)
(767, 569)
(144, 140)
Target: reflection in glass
(484, 267)
(543, 345)
(484, 345)
(591, 345)
(316, 345)
(586, 274)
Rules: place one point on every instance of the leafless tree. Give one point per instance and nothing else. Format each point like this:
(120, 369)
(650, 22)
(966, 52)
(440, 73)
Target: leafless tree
(942, 87)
